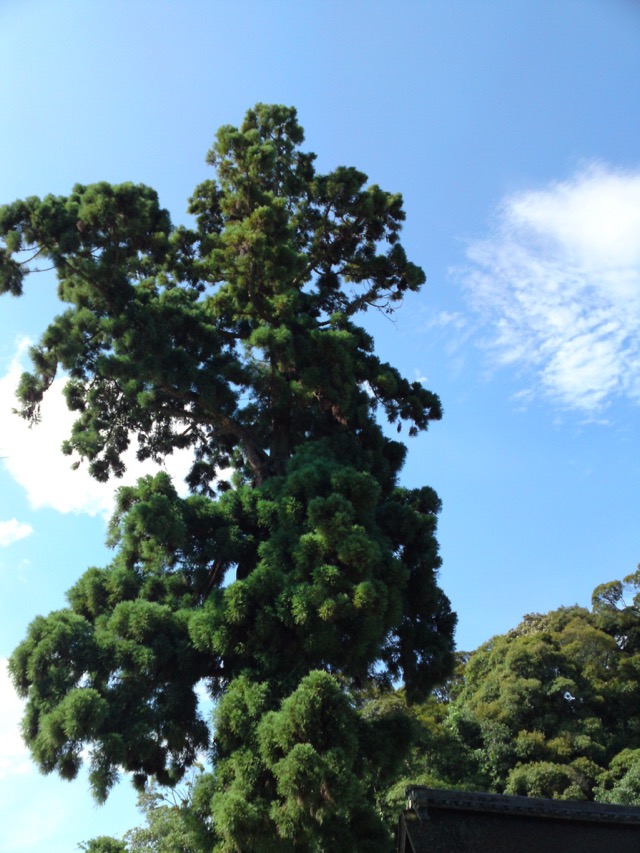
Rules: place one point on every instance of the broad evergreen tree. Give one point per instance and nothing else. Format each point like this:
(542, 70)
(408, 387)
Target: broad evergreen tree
(292, 587)
(549, 709)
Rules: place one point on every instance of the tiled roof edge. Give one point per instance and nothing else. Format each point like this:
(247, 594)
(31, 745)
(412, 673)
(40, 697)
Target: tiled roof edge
(421, 799)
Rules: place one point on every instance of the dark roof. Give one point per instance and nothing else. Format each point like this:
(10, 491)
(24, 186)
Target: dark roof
(420, 799)
(438, 821)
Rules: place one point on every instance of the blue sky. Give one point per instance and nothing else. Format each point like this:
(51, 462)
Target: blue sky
(511, 128)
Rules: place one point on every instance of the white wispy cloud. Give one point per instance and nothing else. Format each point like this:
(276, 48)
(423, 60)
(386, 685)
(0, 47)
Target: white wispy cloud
(448, 318)
(558, 283)
(12, 531)
(35, 461)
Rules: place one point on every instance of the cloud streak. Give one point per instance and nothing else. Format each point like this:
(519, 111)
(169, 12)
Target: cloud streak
(12, 531)
(557, 282)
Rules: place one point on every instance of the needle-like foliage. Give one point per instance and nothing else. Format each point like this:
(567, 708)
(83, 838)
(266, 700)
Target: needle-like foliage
(236, 338)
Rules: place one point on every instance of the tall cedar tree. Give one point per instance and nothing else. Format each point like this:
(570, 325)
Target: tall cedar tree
(236, 339)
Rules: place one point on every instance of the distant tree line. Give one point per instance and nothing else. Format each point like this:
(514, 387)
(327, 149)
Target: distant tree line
(549, 709)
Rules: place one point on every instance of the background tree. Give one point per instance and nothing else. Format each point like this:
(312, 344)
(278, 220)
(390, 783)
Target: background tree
(175, 821)
(104, 844)
(550, 709)
(236, 338)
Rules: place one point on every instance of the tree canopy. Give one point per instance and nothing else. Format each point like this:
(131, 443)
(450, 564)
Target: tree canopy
(550, 709)
(297, 574)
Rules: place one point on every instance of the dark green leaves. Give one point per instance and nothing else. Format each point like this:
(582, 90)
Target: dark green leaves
(303, 574)
(549, 709)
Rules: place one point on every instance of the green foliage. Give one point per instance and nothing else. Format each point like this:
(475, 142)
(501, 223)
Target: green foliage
(550, 709)
(621, 783)
(541, 779)
(236, 339)
(104, 844)
(303, 766)
(175, 821)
